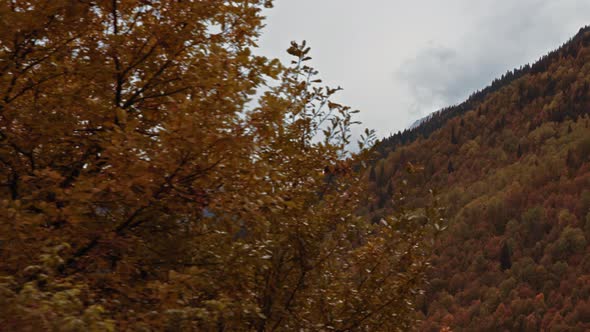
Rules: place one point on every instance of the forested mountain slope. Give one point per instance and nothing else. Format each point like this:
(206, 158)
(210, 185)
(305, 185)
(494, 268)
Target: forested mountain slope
(439, 118)
(512, 166)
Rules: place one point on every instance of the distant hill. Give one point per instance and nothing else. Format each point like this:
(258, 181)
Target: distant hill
(437, 119)
(512, 166)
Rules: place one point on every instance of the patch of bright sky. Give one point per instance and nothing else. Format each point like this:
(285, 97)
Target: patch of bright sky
(399, 60)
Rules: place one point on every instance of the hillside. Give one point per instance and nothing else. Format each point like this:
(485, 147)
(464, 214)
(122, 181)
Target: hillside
(512, 166)
(440, 117)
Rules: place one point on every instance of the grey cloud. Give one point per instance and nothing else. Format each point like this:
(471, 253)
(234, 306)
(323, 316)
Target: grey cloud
(439, 76)
(438, 52)
(435, 76)
(509, 36)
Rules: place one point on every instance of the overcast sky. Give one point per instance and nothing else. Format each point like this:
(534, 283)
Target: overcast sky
(400, 60)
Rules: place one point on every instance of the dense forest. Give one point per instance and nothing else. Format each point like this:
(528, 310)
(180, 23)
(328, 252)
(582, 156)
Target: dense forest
(157, 174)
(512, 167)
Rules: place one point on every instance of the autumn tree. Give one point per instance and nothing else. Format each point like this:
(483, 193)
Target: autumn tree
(142, 186)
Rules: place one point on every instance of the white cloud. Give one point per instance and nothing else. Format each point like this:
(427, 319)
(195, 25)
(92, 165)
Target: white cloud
(399, 60)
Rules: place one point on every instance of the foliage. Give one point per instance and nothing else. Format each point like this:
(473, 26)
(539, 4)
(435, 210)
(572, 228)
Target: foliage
(188, 183)
(45, 302)
(512, 166)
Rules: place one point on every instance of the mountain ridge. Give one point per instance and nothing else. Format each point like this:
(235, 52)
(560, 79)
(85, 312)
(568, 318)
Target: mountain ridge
(512, 167)
(437, 118)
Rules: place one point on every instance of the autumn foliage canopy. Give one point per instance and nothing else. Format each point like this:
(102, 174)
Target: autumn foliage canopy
(156, 174)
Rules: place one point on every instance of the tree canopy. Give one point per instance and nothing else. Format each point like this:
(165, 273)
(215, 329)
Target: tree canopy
(157, 174)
